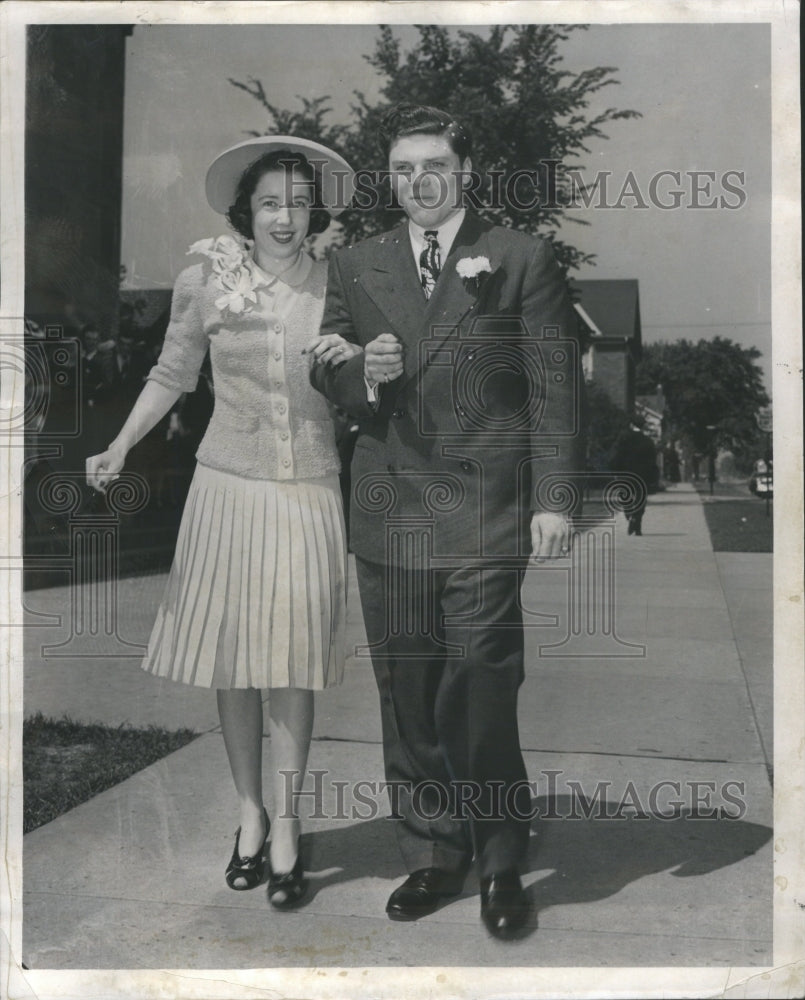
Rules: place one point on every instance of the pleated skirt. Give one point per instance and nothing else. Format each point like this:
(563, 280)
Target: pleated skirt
(256, 595)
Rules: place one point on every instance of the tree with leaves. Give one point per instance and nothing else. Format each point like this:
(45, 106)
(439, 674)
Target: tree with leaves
(524, 110)
(606, 422)
(710, 384)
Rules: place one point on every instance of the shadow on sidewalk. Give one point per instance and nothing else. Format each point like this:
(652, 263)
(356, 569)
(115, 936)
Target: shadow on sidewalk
(648, 533)
(591, 857)
(676, 500)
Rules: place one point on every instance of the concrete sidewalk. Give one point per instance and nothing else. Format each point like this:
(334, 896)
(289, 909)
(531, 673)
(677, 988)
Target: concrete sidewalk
(680, 711)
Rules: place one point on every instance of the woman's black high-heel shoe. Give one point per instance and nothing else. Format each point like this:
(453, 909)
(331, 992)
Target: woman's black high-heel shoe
(248, 871)
(287, 888)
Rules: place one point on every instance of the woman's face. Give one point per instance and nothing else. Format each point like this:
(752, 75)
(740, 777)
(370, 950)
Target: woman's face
(280, 206)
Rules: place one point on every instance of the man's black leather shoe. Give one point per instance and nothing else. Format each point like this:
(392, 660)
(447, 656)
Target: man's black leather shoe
(504, 904)
(423, 892)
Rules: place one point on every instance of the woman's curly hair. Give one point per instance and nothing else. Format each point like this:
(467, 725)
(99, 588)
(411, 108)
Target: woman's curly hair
(239, 215)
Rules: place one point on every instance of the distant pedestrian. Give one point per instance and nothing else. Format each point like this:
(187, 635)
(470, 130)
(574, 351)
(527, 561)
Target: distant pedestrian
(671, 463)
(634, 452)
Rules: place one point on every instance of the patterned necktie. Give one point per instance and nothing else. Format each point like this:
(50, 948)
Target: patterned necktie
(430, 262)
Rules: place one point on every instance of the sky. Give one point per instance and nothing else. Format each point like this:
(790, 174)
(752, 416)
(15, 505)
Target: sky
(703, 92)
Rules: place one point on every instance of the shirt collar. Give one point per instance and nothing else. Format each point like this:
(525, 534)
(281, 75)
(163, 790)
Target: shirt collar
(447, 233)
(295, 275)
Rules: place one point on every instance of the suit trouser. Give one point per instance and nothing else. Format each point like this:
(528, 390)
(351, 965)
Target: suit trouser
(447, 651)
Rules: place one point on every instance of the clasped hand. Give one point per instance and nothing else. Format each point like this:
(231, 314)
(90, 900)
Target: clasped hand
(331, 349)
(383, 359)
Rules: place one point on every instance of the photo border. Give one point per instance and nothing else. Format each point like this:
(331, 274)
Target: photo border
(787, 974)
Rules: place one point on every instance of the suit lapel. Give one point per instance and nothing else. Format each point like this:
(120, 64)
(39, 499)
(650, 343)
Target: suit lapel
(454, 301)
(453, 297)
(392, 282)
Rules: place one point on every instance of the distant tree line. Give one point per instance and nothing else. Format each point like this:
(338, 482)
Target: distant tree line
(713, 392)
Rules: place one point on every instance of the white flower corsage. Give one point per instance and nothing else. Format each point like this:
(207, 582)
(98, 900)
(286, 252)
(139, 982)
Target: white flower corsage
(473, 268)
(234, 272)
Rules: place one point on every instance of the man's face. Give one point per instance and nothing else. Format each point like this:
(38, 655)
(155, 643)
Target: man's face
(425, 178)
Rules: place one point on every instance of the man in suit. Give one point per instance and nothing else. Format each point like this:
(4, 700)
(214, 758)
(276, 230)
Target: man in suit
(466, 395)
(635, 452)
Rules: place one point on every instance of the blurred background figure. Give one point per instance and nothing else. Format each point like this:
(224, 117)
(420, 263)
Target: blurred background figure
(131, 364)
(96, 385)
(671, 463)
(96, 365)
(634, 452)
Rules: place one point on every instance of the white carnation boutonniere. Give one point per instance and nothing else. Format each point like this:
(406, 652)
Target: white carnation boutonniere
(234, 272)
(473, 269)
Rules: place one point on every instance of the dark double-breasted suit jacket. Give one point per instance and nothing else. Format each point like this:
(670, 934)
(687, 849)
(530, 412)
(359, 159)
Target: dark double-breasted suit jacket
(447, 465)
(445, 475)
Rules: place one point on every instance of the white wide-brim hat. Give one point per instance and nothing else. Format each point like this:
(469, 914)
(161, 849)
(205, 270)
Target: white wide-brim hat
(335, 174)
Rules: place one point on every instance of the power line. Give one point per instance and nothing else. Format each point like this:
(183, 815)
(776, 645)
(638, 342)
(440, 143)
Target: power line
(687, 326)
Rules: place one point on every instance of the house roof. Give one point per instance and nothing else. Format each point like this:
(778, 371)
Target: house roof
(612, 305)
(655, 403)
(646, 409)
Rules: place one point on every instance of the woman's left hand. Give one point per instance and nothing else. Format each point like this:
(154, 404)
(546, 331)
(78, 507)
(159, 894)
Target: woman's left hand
(331, 349)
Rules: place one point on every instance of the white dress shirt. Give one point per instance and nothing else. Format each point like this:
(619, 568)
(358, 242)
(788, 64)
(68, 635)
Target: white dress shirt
(446, 235)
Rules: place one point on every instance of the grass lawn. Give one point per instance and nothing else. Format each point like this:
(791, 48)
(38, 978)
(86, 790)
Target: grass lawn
(66, 763)
(737, 520)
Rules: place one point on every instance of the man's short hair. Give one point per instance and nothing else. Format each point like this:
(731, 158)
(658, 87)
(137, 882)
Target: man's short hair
(412, 119)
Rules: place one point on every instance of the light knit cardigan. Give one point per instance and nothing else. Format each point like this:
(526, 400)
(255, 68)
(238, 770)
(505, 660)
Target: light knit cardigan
(268, 421)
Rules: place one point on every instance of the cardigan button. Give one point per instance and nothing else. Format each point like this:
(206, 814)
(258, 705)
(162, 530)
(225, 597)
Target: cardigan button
(286, 462)
(281, 407)
(398, 414)
(277, 356)
(284, 435)
(278, 327)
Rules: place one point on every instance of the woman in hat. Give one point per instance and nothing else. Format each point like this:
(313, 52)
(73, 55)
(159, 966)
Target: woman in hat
(256, 593)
